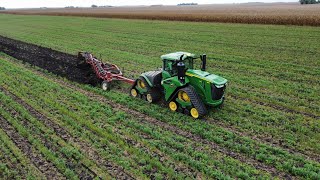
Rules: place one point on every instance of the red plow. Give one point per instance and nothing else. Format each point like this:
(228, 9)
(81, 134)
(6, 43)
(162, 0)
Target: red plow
(106, 72)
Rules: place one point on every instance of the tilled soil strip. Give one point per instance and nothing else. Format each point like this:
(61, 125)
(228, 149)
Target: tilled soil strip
(45, 167)
(142, 117)
(113, 169)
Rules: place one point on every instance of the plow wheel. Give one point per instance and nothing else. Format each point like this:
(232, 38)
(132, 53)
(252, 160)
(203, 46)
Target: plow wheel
(105, 85)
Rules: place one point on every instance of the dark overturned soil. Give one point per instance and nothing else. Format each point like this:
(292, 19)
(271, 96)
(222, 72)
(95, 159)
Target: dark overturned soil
(59, 63)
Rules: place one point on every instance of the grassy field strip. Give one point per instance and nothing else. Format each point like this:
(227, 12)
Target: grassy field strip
(13, 164)
(78, 162)
(30, 170)
(95, 116)
(47, 168)
(10, 167)
(66, 136)
(305, 126)
(41, 146)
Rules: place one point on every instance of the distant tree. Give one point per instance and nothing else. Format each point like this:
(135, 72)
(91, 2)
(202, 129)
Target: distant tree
(2, 8)
(94, 6)
(309, 1)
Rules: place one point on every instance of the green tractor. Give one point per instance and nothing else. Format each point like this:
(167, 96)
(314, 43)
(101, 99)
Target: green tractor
(181, 85)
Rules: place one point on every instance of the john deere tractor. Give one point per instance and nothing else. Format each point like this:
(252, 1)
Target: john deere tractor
(181, 85)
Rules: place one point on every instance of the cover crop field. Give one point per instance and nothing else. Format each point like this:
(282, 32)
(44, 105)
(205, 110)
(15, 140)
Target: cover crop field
(53, 126)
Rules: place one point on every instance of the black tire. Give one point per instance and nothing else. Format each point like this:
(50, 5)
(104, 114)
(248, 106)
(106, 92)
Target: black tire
(153, 95)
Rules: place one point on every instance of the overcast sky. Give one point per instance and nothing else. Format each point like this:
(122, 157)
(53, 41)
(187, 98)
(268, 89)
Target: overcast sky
(86, 3)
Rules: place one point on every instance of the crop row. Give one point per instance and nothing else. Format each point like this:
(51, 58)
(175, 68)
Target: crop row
(14, 164)
(269, 155)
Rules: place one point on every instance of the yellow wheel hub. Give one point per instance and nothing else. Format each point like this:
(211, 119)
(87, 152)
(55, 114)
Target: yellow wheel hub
(134, 93)
(183, 96)
(194, 113)
(173, 106)
(141, 84)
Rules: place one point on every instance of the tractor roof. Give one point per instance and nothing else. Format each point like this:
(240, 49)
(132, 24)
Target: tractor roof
(176, 56)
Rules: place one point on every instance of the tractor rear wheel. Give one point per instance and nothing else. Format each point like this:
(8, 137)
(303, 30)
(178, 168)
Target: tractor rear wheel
(105, 85)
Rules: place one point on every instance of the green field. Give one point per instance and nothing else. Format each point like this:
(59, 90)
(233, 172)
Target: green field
(268, 127)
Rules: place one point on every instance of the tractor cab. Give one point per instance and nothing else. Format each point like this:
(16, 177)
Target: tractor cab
(177, 64)
(171, 61)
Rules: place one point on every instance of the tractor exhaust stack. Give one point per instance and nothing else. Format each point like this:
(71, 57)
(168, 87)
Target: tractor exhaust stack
(203, 58)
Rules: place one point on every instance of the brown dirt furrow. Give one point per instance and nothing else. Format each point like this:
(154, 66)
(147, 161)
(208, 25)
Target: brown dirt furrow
(142, 117)
(113, 169)
(45, 167)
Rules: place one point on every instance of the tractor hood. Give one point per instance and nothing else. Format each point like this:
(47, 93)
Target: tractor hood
(212, 78)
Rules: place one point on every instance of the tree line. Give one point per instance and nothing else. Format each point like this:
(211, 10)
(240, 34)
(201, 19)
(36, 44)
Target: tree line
(2, 8)
(309, 1)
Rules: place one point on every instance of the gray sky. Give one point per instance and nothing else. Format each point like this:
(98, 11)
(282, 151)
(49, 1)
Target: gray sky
(86, 3)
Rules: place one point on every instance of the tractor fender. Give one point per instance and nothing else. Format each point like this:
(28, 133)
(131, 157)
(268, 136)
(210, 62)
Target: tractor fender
(146, 79)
